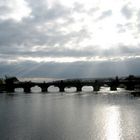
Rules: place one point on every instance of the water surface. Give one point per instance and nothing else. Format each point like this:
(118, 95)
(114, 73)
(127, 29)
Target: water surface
(70, 116)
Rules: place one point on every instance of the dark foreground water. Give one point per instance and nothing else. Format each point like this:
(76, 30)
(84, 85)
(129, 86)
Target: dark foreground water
(70, 116)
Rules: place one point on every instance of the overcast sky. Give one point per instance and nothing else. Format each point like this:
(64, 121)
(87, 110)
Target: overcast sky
(69, 38)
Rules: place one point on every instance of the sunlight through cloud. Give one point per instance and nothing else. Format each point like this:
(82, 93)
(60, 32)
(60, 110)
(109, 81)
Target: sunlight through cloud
(69, 31)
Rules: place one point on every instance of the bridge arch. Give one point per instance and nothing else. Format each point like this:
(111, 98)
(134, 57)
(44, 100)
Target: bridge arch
(70, 89)
(105, 88)
(87, 88)
(53, 88)
(19, 89)
(35, 89)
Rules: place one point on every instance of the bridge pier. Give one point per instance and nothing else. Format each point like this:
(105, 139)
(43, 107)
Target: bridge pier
(44, 86)
(79, 88)
(96, 86)
(113, 88)
(114, 84)
(44, 89)
(61, 89)
(61, 86)
(27, 89)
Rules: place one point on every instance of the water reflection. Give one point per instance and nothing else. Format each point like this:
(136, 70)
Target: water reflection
(112, 123)
(72, 116)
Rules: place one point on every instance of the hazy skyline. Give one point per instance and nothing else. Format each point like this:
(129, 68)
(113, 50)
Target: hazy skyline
(69, 38)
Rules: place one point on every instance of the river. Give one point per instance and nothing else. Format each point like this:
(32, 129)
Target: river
(70, 116)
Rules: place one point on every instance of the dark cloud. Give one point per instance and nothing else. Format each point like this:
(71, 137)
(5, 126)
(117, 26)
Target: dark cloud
(125, 27)
(42, 28)
(27, 32)
(121, 51)
(91, 51)
(40, 11)
(4, 10)
(72, 70)
(105, 14)
(121, 28)
(127, 12)
(19, 38)
(78, 7)
(138, 21)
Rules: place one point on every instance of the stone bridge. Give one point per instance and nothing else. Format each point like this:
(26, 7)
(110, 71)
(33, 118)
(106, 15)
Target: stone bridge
(129, 83)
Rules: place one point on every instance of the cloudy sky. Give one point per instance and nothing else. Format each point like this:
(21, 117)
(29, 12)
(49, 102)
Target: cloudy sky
(69, 38)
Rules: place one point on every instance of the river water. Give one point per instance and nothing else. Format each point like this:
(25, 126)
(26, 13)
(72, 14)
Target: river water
(70, 115)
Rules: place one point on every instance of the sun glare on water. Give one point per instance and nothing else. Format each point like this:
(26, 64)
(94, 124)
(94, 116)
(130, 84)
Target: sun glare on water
(112, 121)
